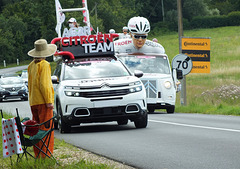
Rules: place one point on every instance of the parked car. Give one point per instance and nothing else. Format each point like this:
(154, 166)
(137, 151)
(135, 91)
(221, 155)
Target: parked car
(12, 87)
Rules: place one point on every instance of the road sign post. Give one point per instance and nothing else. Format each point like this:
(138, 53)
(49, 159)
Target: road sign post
(180, 34)
(184, 63)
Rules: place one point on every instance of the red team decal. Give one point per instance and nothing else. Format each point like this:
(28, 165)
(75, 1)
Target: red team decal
(100, 38)
(126, 42)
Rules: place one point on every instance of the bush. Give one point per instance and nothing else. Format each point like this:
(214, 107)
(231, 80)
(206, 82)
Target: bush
(168, 26)
(209, 21)
(160, 28)
(232, 19)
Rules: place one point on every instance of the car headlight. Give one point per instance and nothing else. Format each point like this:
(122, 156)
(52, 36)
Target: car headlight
(70, 93)
(135, 89)
(135, 83)
(167, 84)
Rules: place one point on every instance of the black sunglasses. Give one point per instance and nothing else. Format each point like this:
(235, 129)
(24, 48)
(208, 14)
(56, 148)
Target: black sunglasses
(140, 36)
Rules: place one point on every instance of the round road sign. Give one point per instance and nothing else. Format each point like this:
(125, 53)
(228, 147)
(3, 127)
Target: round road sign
(182, 62)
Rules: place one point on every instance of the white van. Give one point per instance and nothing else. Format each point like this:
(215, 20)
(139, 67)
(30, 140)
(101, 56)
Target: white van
(158, 79)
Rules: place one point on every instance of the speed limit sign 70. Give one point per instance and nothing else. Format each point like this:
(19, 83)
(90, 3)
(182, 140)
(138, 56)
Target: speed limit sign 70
(182, 62)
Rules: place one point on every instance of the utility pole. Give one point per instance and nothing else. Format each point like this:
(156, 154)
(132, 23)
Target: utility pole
(163, 11)
(183, 98)
(96, 14)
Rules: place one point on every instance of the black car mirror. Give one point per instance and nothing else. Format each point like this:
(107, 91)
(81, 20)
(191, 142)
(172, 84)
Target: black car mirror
(179, 74)
(54, 79)
(138, 73)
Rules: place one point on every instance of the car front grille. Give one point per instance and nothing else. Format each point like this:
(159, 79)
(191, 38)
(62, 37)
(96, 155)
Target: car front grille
(151, 88)
(13, 89)
(104, 93)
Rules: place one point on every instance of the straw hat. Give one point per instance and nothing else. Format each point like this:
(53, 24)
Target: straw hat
(42, 49)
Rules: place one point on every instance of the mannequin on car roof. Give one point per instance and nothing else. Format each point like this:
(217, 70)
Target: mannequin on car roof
(139, 27)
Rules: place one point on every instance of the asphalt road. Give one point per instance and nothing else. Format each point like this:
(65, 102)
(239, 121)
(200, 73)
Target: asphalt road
(170, 141)
(10, 106)
(12, 69)
(176, 141)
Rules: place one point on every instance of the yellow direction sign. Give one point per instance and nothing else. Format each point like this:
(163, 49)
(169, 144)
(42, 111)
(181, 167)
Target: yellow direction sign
(198, 49)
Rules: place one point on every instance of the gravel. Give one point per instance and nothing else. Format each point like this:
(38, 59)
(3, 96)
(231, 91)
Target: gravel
(74, 155)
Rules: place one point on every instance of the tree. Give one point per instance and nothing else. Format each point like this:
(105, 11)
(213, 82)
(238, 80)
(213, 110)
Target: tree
(192, 8)
(24, 21)
(114, 14)
(6, 47)
(224, 6)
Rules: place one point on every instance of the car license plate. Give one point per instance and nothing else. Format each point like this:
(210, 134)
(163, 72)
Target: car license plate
(106, 103)
(13, 93)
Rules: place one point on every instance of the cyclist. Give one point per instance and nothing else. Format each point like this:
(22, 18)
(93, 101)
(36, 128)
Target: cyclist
(125, 34)
(139, 27)
(111, 31)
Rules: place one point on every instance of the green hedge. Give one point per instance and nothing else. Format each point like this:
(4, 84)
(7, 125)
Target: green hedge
(232, 19)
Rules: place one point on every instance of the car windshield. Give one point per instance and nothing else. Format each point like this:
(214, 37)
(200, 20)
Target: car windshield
(100, 67)
(146, 63)
(10, 81)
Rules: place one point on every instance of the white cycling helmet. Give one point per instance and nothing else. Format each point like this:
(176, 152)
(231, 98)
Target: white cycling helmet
(72, 20)
(139, 25)
(111, 31)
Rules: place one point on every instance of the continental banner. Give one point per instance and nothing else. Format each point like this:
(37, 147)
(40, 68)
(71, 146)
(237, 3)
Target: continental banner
(198, 55)
(200, 67)
(195, 43)
(198, 49)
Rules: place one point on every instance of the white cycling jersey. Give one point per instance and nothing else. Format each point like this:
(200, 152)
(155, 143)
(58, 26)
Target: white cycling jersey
(127, 46)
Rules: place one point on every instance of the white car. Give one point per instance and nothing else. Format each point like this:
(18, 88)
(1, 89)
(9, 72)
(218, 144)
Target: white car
(159, 80)
(98, 89)
(24, 76)
(12, 87)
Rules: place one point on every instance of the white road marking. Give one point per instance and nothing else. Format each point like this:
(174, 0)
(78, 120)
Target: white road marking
(195, 126)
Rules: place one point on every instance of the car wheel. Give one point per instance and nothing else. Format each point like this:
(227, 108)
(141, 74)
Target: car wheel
(151, 109)
(56, 123)
(171, 109)
(122, 122)
(25, 99)
(1, 100)
(142, 121)
(62, 125)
